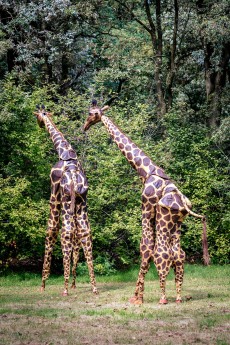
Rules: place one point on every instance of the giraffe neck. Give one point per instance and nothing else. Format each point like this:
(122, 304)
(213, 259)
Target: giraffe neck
(64, 149)
(135, 156)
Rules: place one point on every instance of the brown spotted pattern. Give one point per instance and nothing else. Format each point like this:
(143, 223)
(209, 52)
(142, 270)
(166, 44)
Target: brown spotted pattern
(163, 210)
(167, 250)
(135, 156)
(69, 188)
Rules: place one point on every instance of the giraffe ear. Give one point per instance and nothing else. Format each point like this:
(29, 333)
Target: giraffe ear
(106, 107)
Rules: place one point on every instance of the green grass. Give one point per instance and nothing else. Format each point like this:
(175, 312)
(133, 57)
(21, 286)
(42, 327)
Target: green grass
(30, 317)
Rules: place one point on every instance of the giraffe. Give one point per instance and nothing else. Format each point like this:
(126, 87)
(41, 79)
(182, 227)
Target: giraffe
(164, 207)
(69, 188)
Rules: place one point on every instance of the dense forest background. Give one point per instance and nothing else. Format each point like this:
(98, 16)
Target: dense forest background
(165, 64)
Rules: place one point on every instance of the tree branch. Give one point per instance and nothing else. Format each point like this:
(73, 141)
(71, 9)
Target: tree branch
(133, 16)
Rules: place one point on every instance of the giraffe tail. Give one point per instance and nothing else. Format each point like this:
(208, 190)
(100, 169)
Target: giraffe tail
(72, 198)
(206, 256)
(73, 190)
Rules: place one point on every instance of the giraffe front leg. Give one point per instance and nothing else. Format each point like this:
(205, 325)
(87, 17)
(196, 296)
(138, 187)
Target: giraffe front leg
(75, 259)
(146, 250)
(139, 291)
(84, 235)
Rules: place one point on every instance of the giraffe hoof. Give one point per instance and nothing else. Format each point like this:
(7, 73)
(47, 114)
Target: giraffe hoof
(163, 301)
(65, 293)
(42, 289)
(95, 291)
(132, 299)
(73, 286)
(178, 301)
(135, 300)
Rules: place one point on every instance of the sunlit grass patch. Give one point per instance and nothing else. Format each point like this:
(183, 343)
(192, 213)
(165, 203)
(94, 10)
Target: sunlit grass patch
(49, 318)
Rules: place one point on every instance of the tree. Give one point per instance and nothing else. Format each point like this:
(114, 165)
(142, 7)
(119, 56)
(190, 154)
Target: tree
(213, 19)
(51, 41)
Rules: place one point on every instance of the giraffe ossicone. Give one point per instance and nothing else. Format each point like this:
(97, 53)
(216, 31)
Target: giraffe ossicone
(69, 187)
(164, 208)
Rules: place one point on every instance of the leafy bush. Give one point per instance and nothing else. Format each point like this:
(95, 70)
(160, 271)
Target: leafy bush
(180, 143)
(102, 266)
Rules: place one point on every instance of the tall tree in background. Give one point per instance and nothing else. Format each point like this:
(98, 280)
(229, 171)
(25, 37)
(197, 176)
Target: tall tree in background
(213, 20)
(182, 33)
(152, 24)
(50, 40)
(168, 24)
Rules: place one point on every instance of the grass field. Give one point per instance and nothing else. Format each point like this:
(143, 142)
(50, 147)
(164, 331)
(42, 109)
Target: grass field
(28, 317)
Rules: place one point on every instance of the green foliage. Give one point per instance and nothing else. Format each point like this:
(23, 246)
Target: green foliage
(24, 180)
(198, 165)
(186, 152)
(22, 220)
(65, 53)
(102, 267)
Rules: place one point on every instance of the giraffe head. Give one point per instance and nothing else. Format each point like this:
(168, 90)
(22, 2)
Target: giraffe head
(40, 113)
(95, 114)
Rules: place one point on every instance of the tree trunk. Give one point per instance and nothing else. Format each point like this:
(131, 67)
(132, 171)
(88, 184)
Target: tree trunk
(10, 59)
(172, 67)
(215, 75)
(156, 38)
(155, 31)
(215, 81)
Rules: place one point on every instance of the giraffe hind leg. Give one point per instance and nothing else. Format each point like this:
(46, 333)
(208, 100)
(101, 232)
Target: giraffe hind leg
(163, 299)
(178, 267)
(66, 242)
(163, 271)
(53, 222)
(84, 234)
(89, 259)
(75, 259)
(50, 241)
(67, 233)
